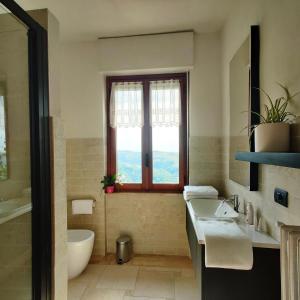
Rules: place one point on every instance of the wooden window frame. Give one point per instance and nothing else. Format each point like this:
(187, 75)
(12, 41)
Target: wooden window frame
(147, 185)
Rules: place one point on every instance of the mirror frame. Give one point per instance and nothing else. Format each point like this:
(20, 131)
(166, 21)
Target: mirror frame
(254, 97)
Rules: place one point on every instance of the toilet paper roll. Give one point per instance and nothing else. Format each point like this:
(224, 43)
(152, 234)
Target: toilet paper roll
(82, 207)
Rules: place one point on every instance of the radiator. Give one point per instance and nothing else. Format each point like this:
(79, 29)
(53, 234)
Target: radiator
(290, 262)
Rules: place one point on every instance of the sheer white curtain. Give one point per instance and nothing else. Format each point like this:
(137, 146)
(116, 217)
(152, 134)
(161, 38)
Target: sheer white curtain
(165, 103)
(126, 105)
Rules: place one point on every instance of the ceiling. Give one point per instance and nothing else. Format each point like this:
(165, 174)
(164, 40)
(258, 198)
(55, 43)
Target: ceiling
(89, 19)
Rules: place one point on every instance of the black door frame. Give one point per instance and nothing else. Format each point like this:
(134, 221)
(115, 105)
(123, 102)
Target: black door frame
(40, 152)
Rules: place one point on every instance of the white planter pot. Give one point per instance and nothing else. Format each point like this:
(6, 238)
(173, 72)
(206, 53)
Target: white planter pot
(272, 137)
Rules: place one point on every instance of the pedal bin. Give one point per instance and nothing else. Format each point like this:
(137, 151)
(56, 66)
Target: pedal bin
(124, 249)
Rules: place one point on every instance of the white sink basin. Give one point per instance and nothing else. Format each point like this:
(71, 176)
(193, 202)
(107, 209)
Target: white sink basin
(212, 209)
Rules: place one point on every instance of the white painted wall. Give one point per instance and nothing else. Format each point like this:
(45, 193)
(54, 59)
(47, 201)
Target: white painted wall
(146, 52)
(84, 64)
(205, 87)
(81, 87)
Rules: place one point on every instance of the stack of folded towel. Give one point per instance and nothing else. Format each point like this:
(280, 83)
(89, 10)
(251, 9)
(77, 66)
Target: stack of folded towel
(196, 192)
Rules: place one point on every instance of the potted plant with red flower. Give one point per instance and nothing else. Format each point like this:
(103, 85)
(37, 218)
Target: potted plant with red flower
(109, 182)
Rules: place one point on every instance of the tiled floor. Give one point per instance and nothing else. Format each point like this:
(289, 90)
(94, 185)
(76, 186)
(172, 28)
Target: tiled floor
(143, 278)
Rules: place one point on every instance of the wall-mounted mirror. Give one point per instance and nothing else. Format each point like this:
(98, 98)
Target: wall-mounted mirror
(3, 134)
(244, 98)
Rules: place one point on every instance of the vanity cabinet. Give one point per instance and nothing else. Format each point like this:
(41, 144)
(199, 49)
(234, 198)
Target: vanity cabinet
(260, 283)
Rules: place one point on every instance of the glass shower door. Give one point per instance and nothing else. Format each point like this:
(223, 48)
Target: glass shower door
(15, 166)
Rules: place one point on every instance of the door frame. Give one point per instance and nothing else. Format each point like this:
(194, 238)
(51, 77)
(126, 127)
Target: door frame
(39, 152)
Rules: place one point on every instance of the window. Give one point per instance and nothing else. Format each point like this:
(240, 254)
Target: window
(147, 131)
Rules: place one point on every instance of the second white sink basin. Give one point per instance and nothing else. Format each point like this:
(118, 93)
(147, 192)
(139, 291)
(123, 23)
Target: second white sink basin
(212, 209)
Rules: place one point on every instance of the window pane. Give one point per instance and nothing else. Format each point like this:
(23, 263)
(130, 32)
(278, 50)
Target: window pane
(165, 154)
(129, 154)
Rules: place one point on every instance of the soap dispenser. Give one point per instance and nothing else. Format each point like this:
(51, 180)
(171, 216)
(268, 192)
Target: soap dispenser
(262, 225)
(249, 214)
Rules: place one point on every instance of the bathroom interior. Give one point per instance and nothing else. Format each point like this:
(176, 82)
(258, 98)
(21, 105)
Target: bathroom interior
(149, 150)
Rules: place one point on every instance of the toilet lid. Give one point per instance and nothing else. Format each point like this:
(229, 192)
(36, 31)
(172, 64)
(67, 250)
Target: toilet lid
(78, 235)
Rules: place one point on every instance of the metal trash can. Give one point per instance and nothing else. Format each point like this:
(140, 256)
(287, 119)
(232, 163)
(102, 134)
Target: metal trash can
(124, 249)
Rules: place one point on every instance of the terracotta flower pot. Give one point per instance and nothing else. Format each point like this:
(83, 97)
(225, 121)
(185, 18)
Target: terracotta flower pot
(272, 137)
(110, 189)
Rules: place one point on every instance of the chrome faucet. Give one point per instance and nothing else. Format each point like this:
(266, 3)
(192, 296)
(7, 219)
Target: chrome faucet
(234, 199)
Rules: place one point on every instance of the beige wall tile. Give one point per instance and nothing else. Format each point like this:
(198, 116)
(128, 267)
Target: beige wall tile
(60, 210)
(85, 169)
(205, 161)
(156, 222)
(144, 216)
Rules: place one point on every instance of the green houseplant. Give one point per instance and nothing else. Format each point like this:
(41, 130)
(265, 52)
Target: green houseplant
(272, 134)
(109, 182)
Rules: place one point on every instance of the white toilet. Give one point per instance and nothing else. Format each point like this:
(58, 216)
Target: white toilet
(80, 247)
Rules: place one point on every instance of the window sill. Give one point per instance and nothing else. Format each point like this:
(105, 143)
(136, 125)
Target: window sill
(144, 192)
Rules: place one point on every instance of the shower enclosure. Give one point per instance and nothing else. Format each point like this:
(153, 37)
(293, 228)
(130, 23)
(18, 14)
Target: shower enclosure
(25, 193)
